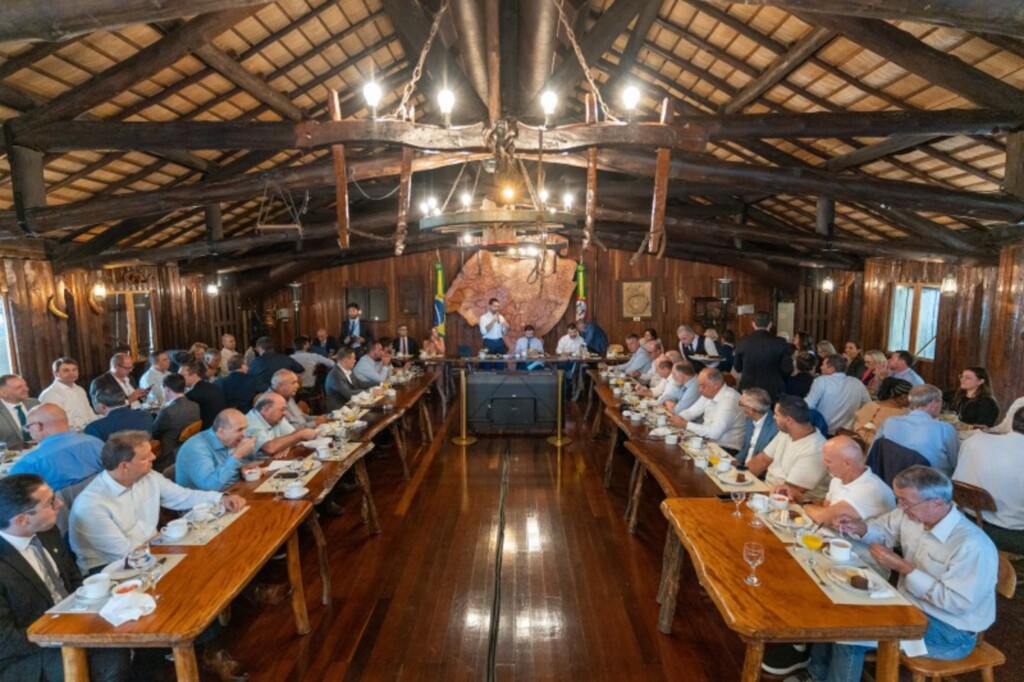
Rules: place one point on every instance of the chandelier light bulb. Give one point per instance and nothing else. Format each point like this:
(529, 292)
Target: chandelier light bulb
(424, 208)
(630, 97)
(446, 101)
(828, 285)
(212, 289)
(372, 94)
(543, 194)
(548, 102)
(508, 193)
(567, 202)
(99, 290)
(467, 200)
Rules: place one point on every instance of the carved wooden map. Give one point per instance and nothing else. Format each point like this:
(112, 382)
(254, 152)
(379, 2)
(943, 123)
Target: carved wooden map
(516, 285)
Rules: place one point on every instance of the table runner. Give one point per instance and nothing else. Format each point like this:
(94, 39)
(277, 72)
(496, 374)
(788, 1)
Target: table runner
(192, 539)
(73, 604)
(265, 487)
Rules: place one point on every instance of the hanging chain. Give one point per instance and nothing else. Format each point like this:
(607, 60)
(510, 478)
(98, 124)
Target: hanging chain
(400, 112)
(388, 195)
(583, 61)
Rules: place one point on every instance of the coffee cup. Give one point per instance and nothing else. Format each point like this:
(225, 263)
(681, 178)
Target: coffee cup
(323, 453)
(175, 530)
(840, 550)
(294, 491)
(723, 466)
(96, 586)
(759, 502)
(616, 392)
(778, 501)
(636, 416)
(700, 462)
(671, 439)
(391, 393)
(252, 474)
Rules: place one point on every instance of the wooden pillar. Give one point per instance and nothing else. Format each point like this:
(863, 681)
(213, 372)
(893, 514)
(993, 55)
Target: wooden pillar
(1014, 182)
(1006, 346)
(27, 181)
(214, 226)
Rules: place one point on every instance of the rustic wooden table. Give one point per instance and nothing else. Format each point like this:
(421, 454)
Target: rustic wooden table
(788, 606)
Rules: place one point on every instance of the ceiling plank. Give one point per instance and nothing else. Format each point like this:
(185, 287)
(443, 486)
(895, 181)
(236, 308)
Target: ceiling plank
(648, 15)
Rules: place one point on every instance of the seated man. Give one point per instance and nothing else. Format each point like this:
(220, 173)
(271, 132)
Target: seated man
(922, 432)
(639, 360)
(948, 570)
(324, 344)
(116, 415)
(153, 379)
(529, 345)
(684, 391)
(342, 383)
(309, 361)
(238, 387)
(792, 461)
(720, 409)
(854, 492)
(211, 362)
(177, 413)
(14, 395)
(285, 383)
(200, 391)
(661, 381)
(993, 462)
(901, 366)
(273, 434)
(837, 396)
(759, 427)
(374, 368)
(266, 362)
(657, 353)
(212, 459)
(572, 343)
(68, 395)
(118, 377)
(36, 572)
(404, 344)
(64, 457)
(120, 509)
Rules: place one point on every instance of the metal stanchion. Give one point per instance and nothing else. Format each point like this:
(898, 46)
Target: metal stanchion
(463, 438)
(559, 439)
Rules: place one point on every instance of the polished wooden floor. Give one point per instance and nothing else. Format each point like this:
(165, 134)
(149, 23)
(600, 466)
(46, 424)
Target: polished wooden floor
(576, 590)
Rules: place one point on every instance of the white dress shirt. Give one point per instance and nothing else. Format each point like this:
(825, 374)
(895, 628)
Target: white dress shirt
(153, 380)
(570, 346)
(955, 567)
(1005, 426)
(108, 520)
(12, 408)
(73, 400)
(993, 462)
(798, 462)
(723, 418)
(497, 331)
(31, 557)
(838, 397)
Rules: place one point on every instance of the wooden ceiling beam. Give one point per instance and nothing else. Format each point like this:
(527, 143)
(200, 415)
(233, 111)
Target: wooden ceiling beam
(226, 66)
(637, 40)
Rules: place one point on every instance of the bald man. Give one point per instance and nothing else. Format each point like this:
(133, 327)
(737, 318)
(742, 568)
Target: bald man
(64, 457)
(286, 384)
(855, 492)
(213, 459)
(274, 435)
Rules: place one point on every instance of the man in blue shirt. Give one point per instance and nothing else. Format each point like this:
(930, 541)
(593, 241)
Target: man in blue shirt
(213, 458)
(900, 363)
(920, 431)
(374, 368)
(640, 360)
(685, 391)
(595, 337)
(117, 416)
(64, 457)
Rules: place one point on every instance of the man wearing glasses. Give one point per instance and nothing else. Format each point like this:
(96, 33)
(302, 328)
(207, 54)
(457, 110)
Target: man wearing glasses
(36, 572)
(119, 378)
(64, 457)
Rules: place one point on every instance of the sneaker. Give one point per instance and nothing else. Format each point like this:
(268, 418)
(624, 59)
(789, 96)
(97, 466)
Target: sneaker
(782, 659)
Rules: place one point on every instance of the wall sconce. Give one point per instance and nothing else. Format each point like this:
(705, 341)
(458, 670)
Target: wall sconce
(948, 287)
(723, 288)
(828, 285)
(212, 289)
(99, 290)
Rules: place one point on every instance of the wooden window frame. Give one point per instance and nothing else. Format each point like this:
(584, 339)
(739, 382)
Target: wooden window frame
(133, 341)
(915, 313)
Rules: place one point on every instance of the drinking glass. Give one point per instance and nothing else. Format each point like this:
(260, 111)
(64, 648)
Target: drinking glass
(753, 554)
(202, 521)
(278, 484)
(737, 498)
(217, 513)
(140, 560)
(812, 542)
(756, 522)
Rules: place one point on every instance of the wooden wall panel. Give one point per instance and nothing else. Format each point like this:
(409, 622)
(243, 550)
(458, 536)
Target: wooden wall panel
(1006, 364)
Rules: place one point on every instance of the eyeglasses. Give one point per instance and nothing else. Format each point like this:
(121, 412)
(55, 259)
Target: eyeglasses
(51, 503)
(903, 503)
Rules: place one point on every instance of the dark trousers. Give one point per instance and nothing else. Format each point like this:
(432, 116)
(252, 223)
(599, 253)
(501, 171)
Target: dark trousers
(105, 665)
(494, 347)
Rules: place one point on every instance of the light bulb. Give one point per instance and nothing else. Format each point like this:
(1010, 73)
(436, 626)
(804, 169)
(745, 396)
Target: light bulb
(828, 285)
(630, 97)
(548, 102)
(431, 203)
(212, 289)
(531, 251)
(424, 208)
(467, 200)
(446, 101)
(99, 290)
(567, 201)
(508, 193)
(543, 194)
(372, 94)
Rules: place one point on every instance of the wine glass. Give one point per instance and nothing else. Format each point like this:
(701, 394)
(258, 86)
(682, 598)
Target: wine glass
(812, 542)
(756, 522)
(217, 513)
(278, 484)
(737, 498)
(753, 554)
(140, 560)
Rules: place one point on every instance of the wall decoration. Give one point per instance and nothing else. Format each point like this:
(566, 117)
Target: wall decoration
(637, 299)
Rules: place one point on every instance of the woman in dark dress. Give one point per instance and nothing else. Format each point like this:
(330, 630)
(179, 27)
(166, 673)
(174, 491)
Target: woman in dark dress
(855, 366)
(973, 402)
(800, 383)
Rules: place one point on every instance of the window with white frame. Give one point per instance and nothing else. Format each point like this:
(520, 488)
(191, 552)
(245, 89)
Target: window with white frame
(914, 319)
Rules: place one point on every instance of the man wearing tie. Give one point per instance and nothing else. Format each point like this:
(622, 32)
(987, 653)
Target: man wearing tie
(691, 344)
(403, 344)
(493, 327)
(14, 394)
(36, 572)
(355, 333)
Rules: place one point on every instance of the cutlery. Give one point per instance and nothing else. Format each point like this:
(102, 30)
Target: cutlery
(820, 580)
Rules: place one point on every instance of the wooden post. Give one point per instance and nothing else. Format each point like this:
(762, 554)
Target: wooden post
(1014, 182)
(404, 200)
(295, 578)
(26, 179)
(591, 205)
(661, 175)
(340, 175)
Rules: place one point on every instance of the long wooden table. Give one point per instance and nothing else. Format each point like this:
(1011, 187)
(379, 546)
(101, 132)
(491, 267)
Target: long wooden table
(192, 595)
(787, 607)
(407, 396)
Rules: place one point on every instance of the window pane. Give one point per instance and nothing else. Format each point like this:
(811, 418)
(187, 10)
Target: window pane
(117, 318)
(143, 323)
(5, 343)
(927, 323)
(901, 317)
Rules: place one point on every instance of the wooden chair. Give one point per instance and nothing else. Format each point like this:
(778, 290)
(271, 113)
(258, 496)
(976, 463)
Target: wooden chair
(973, 499)
(984, 658)
(190, 430)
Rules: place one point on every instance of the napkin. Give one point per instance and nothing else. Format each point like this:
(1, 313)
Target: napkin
(122, 608)
(315, 443)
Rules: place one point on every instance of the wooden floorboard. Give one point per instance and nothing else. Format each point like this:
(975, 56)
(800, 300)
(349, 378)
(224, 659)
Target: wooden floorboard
(577, 591)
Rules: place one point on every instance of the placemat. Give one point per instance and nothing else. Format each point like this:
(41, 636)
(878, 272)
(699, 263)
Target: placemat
(713, 450)
(342, 453)
(74, 604)
(835, 593)
(265, 487)
(217, 526)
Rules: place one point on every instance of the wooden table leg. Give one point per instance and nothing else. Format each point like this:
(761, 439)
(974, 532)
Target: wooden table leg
(400, 446)
(635, 498)
(595, 427)
(611, 455)
(321, 554)
(428, 428)
(295, 578)
(369, 508)
(887, 667)
(185, 667)
(76, 664)
(630, 490)
(670, 570)
(752, 662)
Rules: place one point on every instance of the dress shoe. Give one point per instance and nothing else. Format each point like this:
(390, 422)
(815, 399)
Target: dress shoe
(223, 666)
(330, 508)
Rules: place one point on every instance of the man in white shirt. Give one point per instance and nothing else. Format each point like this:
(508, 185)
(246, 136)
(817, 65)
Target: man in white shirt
(14, 417)
(267, 424)
(120, 509)
(995, 462)
(720, 409)
(792, 462)
(661, 381)
(493, 327)
(227, 351)
(153, 379)
(948, 570)
(854, 491)
(309, 361)
(68, 395)
(837, 396)
(1006, 426)
(572, 343)
(374, 368)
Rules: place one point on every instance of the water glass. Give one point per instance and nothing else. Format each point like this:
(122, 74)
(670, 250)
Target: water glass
(753, 554)
(737, 498)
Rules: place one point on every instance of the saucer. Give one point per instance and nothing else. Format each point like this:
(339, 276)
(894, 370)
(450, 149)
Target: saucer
(300, 494)
(852, 560)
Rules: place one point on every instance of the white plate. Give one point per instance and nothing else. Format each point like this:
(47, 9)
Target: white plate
(117, 571)
(305, 491)
(315, 443)
(660, 432)
(783, 521)
(841, 577)
(729, 477)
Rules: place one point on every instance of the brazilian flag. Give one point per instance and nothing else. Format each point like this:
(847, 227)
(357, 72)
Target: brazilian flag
(439, 311)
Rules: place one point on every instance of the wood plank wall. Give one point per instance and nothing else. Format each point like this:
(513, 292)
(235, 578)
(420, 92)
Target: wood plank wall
(1006, 342)
(323, 295)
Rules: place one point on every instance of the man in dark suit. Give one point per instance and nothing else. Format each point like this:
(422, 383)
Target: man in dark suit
(117, 416)
(324, 344)
(404, 344)
(239, 387)
(14, 416)
(355, 333)
(177, 413)
(200, 391)
(36, 572)
(759, 427)
(763, 359)
(342, 383)
(119, 377)
(267, 361)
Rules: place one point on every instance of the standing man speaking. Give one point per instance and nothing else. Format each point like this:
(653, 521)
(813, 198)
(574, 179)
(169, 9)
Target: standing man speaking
(493, 327)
